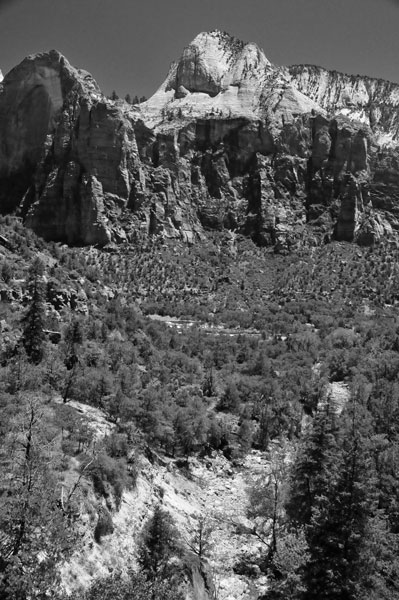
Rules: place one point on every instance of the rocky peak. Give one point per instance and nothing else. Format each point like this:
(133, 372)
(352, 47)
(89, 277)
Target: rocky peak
(217, 74)
(214, 61)
(228, 140)
(51, 71)
(32, 99)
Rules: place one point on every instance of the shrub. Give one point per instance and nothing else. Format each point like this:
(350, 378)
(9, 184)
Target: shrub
(104, 525)
(107, 472)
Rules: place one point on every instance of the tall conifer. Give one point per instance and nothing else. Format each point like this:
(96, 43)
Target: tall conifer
(34, 320)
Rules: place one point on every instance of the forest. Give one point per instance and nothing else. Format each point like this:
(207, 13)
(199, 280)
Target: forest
(218, 347)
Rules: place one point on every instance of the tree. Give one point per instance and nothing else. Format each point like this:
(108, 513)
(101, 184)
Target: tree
(6, 271)
(36, 525)
(73, 339)
(343, 507)
(158, 544)
(355, 494)
(267, 497)
(33, 337)
(230, 401)
(208, 385)
(286, 568)
(315, 467)
(245, 435)
(128, 99)
(200, 542)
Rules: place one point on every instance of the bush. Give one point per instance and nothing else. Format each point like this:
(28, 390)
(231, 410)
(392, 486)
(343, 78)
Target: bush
(104, 525)
(125, 588)
(6, 272)
(117, 445)
(107, 472)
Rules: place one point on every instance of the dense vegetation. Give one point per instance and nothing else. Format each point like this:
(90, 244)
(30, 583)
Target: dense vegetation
(190, 349)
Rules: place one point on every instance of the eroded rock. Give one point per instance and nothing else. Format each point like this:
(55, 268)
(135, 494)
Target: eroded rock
(228, 141)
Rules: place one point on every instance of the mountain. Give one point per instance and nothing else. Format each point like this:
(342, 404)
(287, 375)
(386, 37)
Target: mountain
(285, 155)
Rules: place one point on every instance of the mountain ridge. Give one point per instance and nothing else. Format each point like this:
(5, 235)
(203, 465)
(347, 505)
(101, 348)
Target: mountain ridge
(227, 141)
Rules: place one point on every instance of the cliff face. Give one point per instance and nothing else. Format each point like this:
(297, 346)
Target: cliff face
(374, 102)
(229, 140)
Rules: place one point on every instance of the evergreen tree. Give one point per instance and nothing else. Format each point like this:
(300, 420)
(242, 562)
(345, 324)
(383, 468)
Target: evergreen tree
(208, 385)
(315, 468)
(159, 543)
(34, 321)
(6, 272)
(286, 570)
(338, 530)
(73, 339)
(230, 401)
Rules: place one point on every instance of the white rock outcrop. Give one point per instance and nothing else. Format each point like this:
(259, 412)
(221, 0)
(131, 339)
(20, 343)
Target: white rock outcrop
(221, 76)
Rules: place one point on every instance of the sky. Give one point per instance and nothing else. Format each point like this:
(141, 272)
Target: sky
(128, 45)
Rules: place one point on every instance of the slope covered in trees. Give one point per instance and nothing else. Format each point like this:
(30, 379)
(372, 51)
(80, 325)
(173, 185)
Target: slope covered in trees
(190, 350)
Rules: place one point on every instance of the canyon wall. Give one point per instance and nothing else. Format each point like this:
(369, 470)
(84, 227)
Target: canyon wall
(283, 155)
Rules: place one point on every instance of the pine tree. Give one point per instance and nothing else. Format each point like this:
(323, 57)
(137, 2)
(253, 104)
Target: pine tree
(338, 530)
(159, 542)
(315, 467)
(34, 321)
(230, 401)
(73, 339)
(208, 385)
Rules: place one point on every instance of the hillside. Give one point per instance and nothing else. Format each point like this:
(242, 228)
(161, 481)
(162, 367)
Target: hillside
(204, 365)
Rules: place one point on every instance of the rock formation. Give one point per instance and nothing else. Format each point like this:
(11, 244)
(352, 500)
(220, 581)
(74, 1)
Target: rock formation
(228, 141)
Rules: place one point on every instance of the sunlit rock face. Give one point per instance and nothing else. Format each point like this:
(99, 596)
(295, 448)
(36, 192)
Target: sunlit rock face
(284, 155)
(219, 75)
(374, 102)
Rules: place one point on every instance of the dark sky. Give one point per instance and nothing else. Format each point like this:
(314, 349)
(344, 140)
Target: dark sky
(128, 45)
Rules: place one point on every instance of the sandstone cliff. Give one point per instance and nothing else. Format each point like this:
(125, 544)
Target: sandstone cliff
(228, 141)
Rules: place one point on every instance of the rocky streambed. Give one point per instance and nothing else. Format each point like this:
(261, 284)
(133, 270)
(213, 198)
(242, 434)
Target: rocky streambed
(211, 490)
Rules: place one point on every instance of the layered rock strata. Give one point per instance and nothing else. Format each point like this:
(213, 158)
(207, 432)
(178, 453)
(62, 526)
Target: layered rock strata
(228, 141)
